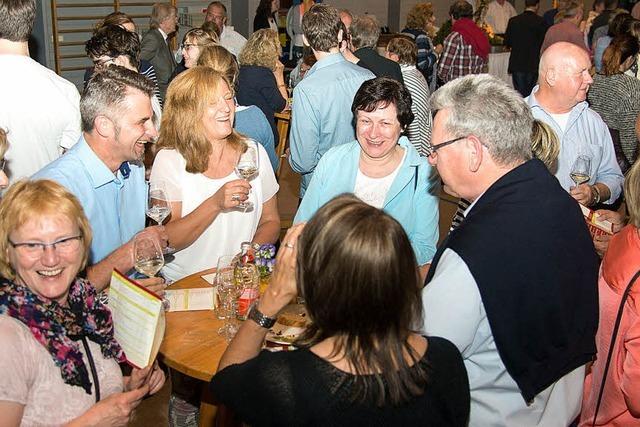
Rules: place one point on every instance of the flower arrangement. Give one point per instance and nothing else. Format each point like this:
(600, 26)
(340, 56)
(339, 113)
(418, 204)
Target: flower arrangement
(265, 259)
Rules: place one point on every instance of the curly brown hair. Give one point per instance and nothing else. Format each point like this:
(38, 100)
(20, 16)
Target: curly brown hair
(262, 49)
(419, 16)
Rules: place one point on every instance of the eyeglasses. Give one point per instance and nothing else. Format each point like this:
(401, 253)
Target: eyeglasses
(187, 46)
(431, 149)
(99, 63)
(3, 162)
(64, 246)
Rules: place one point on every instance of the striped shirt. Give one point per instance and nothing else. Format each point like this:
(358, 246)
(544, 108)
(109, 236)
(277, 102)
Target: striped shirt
(419, 131)
(458, 59)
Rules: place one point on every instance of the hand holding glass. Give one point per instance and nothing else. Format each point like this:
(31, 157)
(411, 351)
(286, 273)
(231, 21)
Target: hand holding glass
(247, 168)
(148, 256)
(581, 170)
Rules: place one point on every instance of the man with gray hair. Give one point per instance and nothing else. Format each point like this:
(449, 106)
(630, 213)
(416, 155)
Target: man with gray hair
(365, 32)
(559, 100)
(104, 170)
(230, 39)
(514, 287)
(38, 108)
(155, 44)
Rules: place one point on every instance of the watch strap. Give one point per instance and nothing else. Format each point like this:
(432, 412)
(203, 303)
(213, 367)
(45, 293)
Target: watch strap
(261, 319)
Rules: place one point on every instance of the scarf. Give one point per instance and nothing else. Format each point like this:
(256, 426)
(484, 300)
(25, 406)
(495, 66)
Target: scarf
(58, 328)
(473, 35)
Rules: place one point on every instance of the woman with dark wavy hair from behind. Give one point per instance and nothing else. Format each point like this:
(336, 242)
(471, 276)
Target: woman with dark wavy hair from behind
(360, 361)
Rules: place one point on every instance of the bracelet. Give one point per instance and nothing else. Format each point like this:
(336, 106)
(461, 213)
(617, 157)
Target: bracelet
(595, 192)
(259, 318)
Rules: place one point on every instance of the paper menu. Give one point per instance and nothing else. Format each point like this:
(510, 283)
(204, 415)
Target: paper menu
(191, 299)
(596, 226)
(138, 319)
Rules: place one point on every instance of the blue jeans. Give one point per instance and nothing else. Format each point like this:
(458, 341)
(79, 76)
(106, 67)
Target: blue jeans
(524, 81)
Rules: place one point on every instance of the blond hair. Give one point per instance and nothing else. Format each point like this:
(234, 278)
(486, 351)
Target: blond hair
(419, 16)
(545, 145)
(188, 98)
(4, 144)
(262, 49)
(222, 61)
(29, 200)
(200, 37)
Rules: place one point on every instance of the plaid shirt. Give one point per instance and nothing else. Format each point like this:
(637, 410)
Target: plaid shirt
(458, 59)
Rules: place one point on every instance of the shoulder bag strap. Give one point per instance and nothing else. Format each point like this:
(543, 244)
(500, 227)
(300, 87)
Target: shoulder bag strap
(612, 344)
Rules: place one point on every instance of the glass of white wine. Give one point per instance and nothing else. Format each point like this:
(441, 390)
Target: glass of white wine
(247, 168)
(158, 206)
(148, 256)
(581, 170)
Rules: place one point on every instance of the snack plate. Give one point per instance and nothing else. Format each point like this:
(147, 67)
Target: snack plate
(282, 334)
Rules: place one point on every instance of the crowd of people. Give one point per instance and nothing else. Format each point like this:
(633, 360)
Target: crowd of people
(517, 317)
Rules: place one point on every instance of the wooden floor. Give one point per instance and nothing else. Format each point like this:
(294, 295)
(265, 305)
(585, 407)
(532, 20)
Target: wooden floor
(153, 411)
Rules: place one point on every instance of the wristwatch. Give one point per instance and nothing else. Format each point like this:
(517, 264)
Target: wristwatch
(262, 320)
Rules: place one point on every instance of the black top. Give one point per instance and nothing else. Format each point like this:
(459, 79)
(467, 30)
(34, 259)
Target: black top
(262, 21)
(527, 246)
(299, 388)
(524, 35)
(378, 65)
(257, 86)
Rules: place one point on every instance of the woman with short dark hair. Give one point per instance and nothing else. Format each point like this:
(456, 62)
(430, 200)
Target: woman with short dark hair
(360, 360)
(382, 167)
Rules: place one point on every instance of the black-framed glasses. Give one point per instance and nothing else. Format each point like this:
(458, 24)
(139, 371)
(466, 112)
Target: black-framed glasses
(62, 246)
(433, 148)
(187, 46)
(3, 163)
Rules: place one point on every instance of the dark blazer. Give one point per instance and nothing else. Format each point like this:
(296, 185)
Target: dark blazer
(524, 35)
(378, 65)
(155, 50)
(257, 86)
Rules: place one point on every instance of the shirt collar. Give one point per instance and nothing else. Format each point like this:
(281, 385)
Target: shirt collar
(164, 35)
(328, 60)
(99, 173)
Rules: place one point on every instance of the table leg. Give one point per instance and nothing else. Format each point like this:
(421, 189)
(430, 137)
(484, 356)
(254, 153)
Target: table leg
(208, 409)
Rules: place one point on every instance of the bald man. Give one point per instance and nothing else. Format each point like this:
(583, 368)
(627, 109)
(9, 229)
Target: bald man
(559, 100)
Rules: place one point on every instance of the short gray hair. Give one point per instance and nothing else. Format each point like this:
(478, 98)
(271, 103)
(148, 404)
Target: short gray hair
(160, 12)
(484, 106)
(106, 92)
(364, 31)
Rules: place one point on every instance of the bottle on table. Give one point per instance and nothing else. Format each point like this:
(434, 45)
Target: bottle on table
(247, 279)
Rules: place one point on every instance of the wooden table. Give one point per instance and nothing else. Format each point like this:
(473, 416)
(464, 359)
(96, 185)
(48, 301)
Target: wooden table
(192, 345)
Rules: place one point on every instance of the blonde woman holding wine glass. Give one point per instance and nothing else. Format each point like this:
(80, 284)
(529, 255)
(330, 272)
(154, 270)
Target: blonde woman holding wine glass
(197, 159)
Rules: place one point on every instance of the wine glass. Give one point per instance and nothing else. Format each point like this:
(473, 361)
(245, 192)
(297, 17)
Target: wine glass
(581, 170)
(158, 206)
(148, 256)
(228, 293)
(247, 168)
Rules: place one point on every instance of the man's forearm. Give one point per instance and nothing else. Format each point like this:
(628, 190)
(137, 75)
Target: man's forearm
(100, 274)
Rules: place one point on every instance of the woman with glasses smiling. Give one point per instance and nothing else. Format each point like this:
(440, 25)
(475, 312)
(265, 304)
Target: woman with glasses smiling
(192, 44)
(58, 358)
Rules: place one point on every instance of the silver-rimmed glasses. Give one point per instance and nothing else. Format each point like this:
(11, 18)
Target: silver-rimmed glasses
(36, 249)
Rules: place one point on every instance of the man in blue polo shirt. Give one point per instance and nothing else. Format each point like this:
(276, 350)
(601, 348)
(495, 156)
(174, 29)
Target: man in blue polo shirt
(321, 116)
(104, 170)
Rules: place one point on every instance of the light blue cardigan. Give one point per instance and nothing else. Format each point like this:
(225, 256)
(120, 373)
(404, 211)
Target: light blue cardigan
(411, 199)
